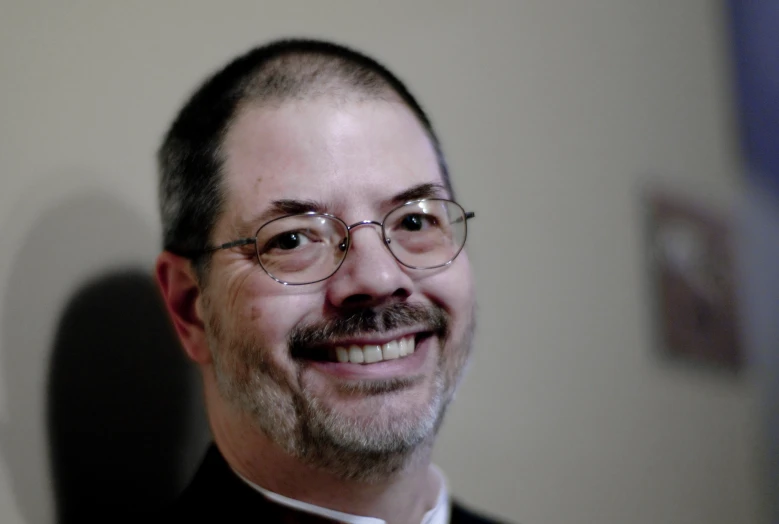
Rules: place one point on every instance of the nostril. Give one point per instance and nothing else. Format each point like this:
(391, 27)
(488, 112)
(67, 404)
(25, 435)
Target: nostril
(357, 300)
(368, 300)
(401, 293)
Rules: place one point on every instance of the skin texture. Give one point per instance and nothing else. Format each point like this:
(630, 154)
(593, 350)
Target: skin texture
(353, 157)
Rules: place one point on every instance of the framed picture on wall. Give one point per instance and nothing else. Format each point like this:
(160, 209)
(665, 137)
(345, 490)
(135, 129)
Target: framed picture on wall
(693, 281)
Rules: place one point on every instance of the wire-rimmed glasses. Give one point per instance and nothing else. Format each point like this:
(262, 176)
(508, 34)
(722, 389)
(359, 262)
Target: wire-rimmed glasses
(310, 247)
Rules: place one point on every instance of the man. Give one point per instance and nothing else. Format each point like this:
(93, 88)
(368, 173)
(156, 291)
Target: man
(313, 269)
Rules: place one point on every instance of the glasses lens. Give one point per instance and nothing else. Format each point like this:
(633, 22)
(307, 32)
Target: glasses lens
(426, 234)
(301, 249)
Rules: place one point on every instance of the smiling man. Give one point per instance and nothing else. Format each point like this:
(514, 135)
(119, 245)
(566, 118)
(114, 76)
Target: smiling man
(314, 270)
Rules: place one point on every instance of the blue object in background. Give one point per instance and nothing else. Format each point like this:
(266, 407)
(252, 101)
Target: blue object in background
(755, 25)
(756, 41)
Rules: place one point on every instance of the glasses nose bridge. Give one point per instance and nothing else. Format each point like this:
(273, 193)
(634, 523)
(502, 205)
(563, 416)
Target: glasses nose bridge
(362, 223)
(365, 223)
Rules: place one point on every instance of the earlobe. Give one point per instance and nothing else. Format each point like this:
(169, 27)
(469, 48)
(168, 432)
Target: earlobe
(181, 293)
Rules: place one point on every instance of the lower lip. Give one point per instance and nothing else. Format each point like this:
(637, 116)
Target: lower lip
(399, 367)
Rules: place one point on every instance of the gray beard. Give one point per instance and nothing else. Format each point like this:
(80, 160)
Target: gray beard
(321, 436)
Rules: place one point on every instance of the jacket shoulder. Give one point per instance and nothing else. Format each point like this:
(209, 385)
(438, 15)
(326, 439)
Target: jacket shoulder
(463, 515)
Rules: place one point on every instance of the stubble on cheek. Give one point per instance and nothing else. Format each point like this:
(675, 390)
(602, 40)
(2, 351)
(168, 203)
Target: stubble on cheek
(242, 360)
(249, 380)
(456, 352)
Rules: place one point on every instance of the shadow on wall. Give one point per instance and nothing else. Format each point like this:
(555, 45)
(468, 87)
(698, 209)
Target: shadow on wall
(102, 406)
(120, 399)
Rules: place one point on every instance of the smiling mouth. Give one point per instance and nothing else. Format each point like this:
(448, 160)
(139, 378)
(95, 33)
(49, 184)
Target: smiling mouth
(399, 348)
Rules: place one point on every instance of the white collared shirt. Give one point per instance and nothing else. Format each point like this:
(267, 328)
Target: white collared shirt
(438, 515)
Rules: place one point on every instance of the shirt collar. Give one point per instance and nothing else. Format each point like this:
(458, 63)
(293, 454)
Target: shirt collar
(438, 515)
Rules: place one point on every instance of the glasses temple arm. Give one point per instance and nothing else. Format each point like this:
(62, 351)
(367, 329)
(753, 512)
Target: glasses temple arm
(469, 214)
(234, 243)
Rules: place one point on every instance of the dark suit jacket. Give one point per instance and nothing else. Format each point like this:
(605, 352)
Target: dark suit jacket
(218, 495)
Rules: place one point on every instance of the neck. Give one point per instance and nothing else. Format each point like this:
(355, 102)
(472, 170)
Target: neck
(403, 497)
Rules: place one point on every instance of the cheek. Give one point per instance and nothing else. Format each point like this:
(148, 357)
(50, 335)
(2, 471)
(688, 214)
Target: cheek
(453, 290)
(266, 310)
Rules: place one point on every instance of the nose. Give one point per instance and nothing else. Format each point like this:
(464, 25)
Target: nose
(369, 275)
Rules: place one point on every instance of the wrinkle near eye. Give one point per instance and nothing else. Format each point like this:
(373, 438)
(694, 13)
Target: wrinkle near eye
(237, 283)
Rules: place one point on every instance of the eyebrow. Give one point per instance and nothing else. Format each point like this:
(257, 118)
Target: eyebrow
(419, 192)
(277, 209)
(291, 206)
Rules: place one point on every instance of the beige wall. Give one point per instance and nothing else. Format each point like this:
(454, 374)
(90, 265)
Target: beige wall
(550, 112)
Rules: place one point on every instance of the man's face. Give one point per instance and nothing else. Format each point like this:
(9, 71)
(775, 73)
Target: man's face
(274, 345)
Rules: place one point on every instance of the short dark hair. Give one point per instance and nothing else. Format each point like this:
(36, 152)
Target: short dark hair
(190, 158)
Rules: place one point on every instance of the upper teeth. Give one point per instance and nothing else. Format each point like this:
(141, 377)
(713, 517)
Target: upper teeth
(370, 353)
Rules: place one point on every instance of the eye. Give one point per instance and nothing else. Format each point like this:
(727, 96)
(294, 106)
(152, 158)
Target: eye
(416, 222)
(287, 241)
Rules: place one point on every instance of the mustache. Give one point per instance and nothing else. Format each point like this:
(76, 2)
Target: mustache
(369, 321)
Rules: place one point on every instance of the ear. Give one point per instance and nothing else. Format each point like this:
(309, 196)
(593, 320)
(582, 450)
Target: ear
(181, 293)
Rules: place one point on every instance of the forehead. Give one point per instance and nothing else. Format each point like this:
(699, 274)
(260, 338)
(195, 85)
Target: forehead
(346, 154)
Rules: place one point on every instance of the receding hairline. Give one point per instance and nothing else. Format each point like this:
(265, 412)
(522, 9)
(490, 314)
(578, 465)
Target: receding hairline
(298, 72)
(302, 76)
(317, 77)
(340, 95)
(311, 76)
